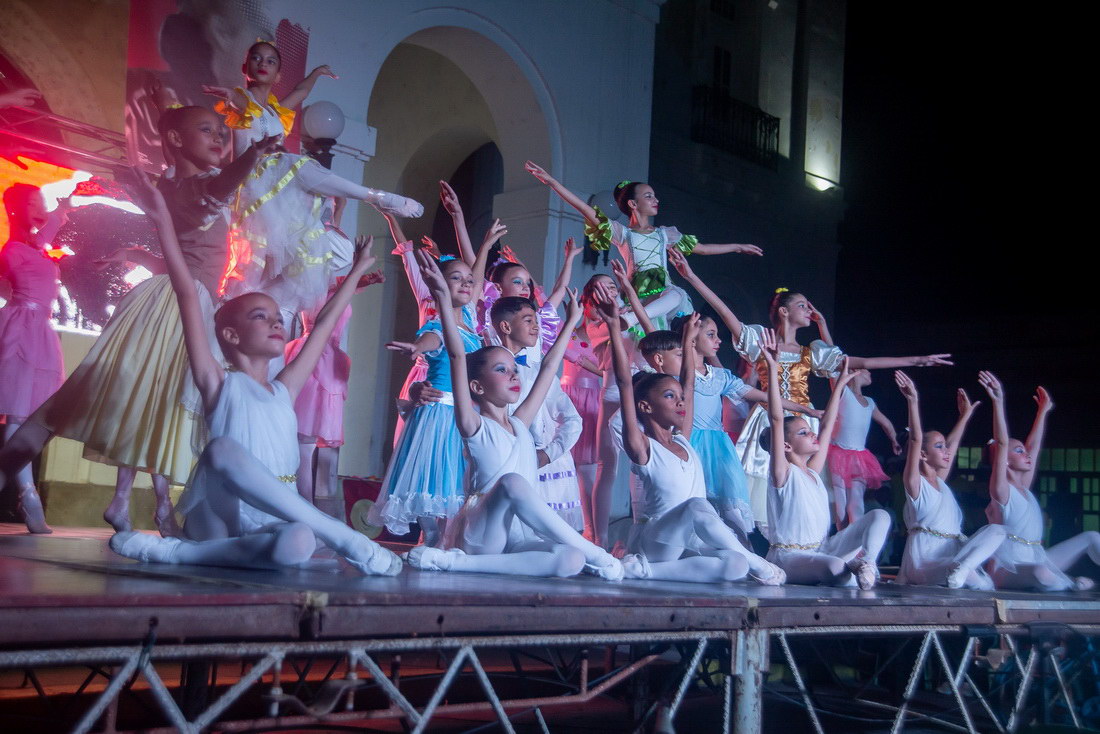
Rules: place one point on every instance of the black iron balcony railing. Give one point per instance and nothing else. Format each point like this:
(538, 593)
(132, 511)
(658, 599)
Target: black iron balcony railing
(731, 125)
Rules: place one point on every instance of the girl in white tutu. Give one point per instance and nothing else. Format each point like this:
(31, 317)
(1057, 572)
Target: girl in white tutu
(487, 535)
(241, 507)
(936, 551)
(281, 245)
(1022, 562)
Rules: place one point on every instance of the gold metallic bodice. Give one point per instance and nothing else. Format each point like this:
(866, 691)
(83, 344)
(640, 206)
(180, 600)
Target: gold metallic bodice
(794, 377)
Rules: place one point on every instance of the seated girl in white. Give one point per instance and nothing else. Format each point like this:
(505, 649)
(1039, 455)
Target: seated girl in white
(678, 535)
(1021, 562)
(799, 517)
(486, 535)
(936, 551)
(242, 507)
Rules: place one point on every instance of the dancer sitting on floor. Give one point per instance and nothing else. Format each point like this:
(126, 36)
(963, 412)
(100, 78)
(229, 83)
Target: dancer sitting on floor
(484, 536)
(678, 535)
(241, 507)
(798, 502)
(1021, 562)
(936, 551)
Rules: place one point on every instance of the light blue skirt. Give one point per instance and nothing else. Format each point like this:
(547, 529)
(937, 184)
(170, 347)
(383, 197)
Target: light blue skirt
(426, 475)
(727, 485)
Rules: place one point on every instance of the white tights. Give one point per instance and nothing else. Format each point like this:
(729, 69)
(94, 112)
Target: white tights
(324, 182)
(847, 502)
(483, 534)
(829, 564)
(695, 526)
(229, 466)
(1051, 576)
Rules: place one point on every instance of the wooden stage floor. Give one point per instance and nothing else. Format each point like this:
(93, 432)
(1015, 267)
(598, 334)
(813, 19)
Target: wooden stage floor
(69, 589)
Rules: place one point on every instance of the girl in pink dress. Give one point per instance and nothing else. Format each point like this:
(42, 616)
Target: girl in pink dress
(31, 367)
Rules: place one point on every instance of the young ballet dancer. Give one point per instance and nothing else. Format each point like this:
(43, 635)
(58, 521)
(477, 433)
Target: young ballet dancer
(140, 351)
(293, 256)
(852, 467)
(557, 424)
(641, 244)
(241, 508)
(1021, 562)
(678, 535)
(936, 551)
(798, 502)
(485, 536)
(31, 364)
(791, 311)
(423, 481)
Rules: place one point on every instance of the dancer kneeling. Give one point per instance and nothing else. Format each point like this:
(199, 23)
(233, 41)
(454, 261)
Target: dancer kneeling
(241, 507)
(1022, 562)
(798, 502)
(936, 551)
(678, 534)
(485, 536)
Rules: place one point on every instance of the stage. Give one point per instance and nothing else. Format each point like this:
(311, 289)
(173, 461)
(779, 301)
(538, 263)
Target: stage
(68, 601)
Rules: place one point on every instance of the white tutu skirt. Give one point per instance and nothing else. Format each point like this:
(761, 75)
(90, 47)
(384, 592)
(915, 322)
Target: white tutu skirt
(279, 242)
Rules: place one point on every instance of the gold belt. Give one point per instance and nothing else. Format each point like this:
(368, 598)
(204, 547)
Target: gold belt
(796, 546)
(1022, 541)
(288, 478)
(937, 533)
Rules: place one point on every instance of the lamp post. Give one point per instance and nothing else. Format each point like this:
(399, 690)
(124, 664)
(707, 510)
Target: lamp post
(323, 122)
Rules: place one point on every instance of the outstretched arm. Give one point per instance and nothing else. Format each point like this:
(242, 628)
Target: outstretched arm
(893, 363)
(627, 289)
(298, 370)
(756, 395)
(778, 465)
(966, 412)
(680, 262)
(304, 87)
(1034, 441)
(548, 371)
(226, 182)
(135, 256)
(634, 440)
(562, 283)
(828, 421)
(568, 196)
(703, 249)
(687, 371)
(206, 371)
(998, 477)
(911, 475)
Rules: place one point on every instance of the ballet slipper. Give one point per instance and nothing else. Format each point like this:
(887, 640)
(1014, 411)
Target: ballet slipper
(1083, 583)
(428, 558)
(165, 518)
(144, 547)
(30, 509)
(611, 570)
(374, 560)
(865, 572)
(399, 206)
(957, 576)
(636, 566)
(777, 577)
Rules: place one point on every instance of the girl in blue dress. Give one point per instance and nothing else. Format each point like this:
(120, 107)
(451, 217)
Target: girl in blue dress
(424, 480)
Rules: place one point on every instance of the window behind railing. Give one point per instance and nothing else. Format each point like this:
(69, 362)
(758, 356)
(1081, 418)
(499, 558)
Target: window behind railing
(734, 126)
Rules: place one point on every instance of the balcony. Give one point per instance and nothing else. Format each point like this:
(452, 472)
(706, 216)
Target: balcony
(731, 125)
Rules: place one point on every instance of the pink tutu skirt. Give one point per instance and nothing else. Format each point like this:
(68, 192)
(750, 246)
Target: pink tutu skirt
(848, 465)
(31, 368)
(320, 404)
(584, 391)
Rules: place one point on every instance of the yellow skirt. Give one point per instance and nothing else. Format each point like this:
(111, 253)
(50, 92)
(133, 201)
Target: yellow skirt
(132, 401)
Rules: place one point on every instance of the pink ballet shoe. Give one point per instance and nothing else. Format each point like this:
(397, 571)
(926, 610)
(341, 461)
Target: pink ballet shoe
(636, 566)
(30, 509)
(865, 572)
(1083, 583)
(374, 560)
(776, 577)
(611, 570)
(428, 558)
(399, 206)
(144, 547)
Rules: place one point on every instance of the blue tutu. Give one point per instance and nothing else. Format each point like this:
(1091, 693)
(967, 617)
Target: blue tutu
(425, 476)
(727, 485)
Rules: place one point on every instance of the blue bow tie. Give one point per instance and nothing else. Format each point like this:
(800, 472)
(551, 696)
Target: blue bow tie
(521, 359)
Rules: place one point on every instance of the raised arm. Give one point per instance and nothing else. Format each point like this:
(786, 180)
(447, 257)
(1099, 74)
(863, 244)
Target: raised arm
(966, 412)
(495, 232)
(893, 363)
(568, 196)
(828, 421)
(298, 370)
(634, 440)
(206, 371)
(911, 475)
(999, 487)
(1034, 441)
(562, 283)
(451, 204)
(687, 371)
(822, 327)
(680, 262)
(548, 371)
(627, 289)
(304, 87)
(778, 465)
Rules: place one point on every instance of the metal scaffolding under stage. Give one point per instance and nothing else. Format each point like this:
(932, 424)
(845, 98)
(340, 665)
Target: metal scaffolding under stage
(525, 651)
(77, 144)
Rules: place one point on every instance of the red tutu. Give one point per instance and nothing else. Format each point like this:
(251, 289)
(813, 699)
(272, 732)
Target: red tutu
(848, 464)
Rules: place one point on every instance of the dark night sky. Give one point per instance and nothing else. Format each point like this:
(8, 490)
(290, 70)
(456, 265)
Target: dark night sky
(964, 227)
